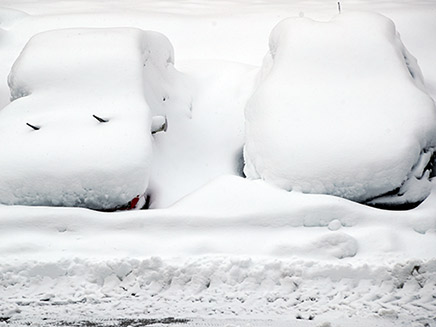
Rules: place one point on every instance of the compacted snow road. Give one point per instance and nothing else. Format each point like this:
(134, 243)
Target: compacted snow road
(198, 322)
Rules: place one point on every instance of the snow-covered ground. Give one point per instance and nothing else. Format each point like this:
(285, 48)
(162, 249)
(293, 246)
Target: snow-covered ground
(215, 246)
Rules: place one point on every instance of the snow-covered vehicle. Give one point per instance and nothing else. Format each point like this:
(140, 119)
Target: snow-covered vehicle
(341, 109)
(78, 129)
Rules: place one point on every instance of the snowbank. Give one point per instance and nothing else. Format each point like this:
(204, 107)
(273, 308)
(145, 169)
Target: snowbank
(341, 109)
(77, 132)
(230, 215)
(235, 248)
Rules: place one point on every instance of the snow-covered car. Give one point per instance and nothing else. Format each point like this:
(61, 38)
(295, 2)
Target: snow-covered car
(78, 129)
(341, 109)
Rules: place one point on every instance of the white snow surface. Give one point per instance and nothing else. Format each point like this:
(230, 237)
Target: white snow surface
(218, 249)
(236, 249)
(238, 288)
(60, 80)
(340, 109)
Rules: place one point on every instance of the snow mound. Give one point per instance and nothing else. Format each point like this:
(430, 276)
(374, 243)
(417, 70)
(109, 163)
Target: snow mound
(78, 129)
(232, 198)
(341, 109)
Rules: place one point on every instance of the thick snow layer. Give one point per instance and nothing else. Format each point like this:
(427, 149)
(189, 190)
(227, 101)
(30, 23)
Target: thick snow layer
(61, 80)
(340, 109)
(232, 216)
(235, 248)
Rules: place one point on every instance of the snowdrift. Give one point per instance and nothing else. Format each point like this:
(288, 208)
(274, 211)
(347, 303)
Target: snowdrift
(78, 129)
(341, 109)
(206, 130)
